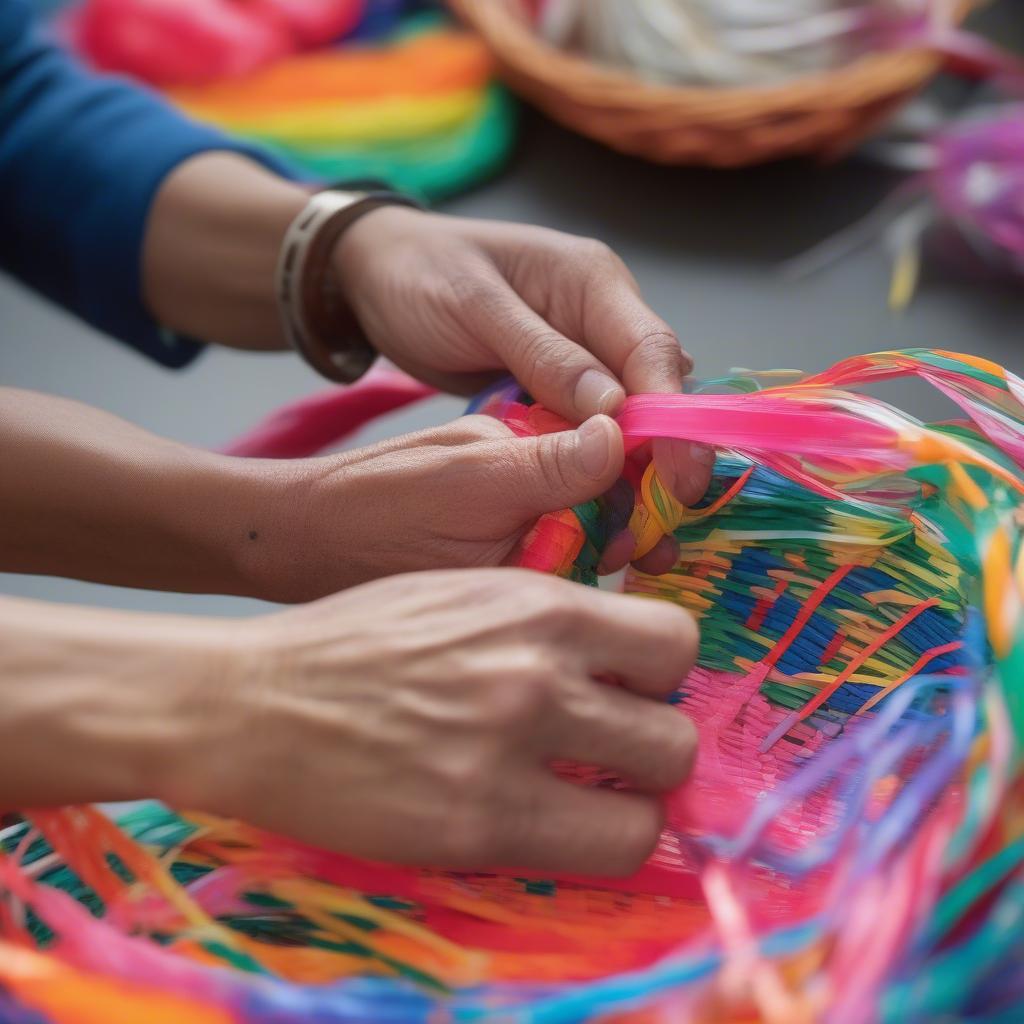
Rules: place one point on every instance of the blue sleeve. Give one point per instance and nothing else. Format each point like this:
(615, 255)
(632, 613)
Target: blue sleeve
(81, 158)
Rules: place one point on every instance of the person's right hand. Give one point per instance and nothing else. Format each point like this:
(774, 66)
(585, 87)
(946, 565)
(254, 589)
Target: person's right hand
(416, 719)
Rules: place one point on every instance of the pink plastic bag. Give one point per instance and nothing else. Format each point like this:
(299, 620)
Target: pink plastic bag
(189, 42)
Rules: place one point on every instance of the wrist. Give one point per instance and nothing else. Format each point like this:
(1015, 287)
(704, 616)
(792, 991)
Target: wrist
(195, 756)
(327, 526)
(288, 549)
(318, 319)
(356, 254)
(211, 249)
(208, 524)
(125, 699)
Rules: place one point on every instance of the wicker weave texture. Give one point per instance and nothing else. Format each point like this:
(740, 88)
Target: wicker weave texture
(823, 114)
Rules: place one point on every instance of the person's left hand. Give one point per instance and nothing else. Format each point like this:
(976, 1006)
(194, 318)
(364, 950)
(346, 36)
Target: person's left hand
(452, 301)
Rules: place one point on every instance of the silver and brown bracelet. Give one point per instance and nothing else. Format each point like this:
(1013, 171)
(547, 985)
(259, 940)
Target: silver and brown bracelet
(317, 322)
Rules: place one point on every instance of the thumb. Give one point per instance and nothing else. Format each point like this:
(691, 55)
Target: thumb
(567, 468)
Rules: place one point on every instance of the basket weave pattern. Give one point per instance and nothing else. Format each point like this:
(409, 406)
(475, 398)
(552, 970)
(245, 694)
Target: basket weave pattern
(823, 114)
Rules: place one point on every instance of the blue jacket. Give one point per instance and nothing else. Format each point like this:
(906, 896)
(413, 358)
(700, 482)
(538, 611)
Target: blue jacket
(81, 158)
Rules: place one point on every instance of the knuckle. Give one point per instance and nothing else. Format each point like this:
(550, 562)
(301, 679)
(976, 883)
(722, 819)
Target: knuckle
(689, 635)
(438, 297)
(682, 635)
(672, 755)
(483, 428)
(665, 617)
(473, 288)
(555, 607)
(454, 439)
(533, 693)
(686, 746)
(659, 346)
(675, 634)
(593, 251)
(525, 692)
(531, 588)
(458, 772)
(581, 701)
(636, 838)
(686, 360)
(462, 471)
(655, 354)
(544, 348)
(497, 462)
(554, 463)
(506, 482)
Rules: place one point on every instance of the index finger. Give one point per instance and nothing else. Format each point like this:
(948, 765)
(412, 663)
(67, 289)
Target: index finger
(627, 335)
(644, 352)
(648, 644)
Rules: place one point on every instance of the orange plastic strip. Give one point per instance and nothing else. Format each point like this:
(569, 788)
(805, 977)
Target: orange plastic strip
(880, 641)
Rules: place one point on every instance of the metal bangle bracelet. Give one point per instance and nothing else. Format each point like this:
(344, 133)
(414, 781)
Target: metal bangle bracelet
(316, 321)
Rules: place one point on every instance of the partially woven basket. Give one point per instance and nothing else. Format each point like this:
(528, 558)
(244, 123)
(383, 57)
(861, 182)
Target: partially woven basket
(821, 114)
(848, 850)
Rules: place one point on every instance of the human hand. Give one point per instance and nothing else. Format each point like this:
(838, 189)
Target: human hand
(452, 301)
(459, 496)
(156, 514)
(416, 719)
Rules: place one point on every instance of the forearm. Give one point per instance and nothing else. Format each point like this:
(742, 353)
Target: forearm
(211, 248)
(101, 705)
(89, 496)
(82, 157)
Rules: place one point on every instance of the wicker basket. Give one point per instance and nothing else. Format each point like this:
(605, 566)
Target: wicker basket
(822, 114)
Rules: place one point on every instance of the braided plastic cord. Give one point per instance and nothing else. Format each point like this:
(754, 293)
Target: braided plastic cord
(850, 848)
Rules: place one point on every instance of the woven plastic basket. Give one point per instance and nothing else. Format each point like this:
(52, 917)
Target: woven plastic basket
(848, 850)
(821, 114)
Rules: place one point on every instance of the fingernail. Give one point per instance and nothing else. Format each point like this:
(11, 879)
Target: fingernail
(593, 447)
(597, 392)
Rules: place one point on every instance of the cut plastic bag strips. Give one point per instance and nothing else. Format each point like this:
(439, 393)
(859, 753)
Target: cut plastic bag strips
(423, 114)
(969, 175)
(431, 168)
(420, 110)
(854, 821)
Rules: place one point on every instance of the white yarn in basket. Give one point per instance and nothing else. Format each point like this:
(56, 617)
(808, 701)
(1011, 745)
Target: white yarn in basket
(717, 42)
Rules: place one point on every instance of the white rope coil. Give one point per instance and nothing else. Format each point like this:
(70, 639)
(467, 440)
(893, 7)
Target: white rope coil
(718, 42)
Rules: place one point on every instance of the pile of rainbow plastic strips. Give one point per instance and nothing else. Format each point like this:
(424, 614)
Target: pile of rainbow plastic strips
(416, 107)
(850, 849)
(421, 112)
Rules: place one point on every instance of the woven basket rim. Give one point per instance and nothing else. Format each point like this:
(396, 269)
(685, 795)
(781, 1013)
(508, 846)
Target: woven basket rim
(878, 74)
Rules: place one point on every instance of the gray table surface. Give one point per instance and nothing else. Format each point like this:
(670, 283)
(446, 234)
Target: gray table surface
(706, 247)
